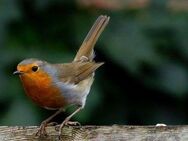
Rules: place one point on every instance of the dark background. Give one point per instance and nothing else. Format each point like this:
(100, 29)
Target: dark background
(145, 49)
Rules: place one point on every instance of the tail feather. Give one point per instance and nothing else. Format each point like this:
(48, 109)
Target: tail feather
(90, 40)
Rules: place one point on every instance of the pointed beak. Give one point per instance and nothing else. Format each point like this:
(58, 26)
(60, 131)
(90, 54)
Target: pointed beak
(17, 72)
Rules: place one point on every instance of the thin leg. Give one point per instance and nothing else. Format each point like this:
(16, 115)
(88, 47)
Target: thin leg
(42, 130)
(66, 121)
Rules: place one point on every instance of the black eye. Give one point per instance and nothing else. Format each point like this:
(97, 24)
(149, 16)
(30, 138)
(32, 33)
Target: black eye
(35, 68)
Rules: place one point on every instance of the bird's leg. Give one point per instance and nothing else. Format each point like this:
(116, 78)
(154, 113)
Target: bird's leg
(42, 130)
(66, 121)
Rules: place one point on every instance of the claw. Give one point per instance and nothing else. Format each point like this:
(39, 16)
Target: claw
(42, 131)
(66, 123)
(74, 123)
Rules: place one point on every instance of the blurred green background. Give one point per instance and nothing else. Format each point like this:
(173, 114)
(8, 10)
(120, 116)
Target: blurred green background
(145, 49)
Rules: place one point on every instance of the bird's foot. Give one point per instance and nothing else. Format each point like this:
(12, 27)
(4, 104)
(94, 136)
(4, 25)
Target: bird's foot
(66, 123)
(42, 130)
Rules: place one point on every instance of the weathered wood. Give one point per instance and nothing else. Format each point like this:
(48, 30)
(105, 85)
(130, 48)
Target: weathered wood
(98, 133)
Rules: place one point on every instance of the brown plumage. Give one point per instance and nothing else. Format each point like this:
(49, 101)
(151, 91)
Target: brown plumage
(77, 71)
(55, 86)
(89, 42)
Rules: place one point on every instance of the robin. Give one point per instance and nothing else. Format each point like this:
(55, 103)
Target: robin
(56, 86)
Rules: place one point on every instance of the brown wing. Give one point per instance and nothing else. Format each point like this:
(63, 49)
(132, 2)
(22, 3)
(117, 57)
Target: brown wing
(76, 71)
(86, 48)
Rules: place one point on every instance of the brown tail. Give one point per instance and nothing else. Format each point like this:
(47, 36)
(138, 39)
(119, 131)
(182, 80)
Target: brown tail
(90, 40)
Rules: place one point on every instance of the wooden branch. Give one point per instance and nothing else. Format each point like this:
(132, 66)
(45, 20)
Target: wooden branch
(98, 133)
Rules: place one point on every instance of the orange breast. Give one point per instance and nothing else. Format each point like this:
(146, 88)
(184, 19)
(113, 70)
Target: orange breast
(39, 88)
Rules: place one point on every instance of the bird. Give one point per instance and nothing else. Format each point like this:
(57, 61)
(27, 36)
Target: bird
(56, 86)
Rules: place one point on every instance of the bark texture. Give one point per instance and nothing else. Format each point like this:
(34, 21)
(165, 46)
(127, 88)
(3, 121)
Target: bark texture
(98, 133)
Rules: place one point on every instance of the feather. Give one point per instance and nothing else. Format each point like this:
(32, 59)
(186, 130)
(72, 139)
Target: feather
(90, 40)
(76, 71)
